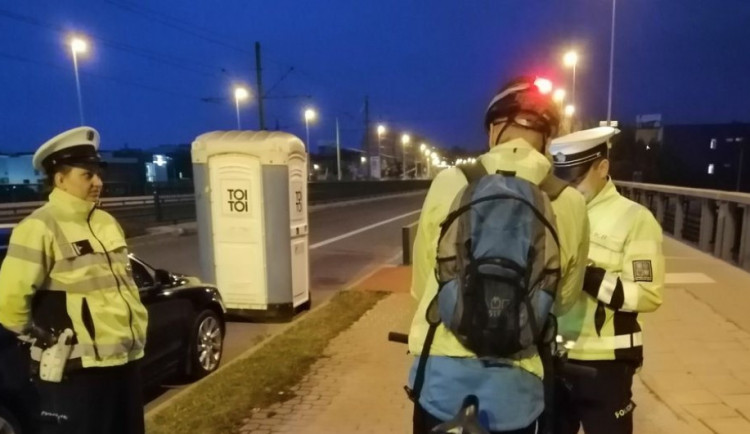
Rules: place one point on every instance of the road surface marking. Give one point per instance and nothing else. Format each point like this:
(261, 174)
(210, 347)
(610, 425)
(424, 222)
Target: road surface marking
(360, 230)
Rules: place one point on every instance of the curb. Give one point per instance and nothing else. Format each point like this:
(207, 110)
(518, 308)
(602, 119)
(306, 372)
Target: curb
(152, 413)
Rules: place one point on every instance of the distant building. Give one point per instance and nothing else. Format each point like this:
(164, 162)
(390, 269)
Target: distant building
(707, 156)
(354, 163)
(649, 130)
(17, 169)
(392, 152)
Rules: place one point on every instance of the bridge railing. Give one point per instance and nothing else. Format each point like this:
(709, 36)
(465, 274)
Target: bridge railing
(717, 222)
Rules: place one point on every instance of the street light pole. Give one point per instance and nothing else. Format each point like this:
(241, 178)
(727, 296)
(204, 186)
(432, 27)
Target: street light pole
(573, 97)
(309, 115)
(78, 45)
(78, 86)
(380, 131)
(571, 60)
(338, 151)
(611, 62)
(404, 142)
(237, 107)
(307, 133)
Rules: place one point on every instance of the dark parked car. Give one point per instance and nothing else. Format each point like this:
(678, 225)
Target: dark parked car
(185, 338)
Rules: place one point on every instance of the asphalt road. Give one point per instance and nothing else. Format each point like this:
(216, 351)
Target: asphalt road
(347, 242)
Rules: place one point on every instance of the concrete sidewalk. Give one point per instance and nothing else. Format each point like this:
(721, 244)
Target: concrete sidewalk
(696, 378)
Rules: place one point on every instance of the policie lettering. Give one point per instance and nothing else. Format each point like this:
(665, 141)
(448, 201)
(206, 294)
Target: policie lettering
(625, 411)
(237, 200)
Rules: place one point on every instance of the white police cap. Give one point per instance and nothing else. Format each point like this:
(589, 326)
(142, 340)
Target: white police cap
(74, 147)
(574, 153)
(582, 146)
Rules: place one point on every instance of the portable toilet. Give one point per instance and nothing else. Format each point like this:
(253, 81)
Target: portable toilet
(251, 207)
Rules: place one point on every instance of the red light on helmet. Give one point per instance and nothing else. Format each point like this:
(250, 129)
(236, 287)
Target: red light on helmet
(544, 85)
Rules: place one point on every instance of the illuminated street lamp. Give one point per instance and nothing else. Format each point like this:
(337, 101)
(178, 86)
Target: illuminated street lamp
(559, 96)
(240, 94)
(309, 115)
(570, 110)
(78, 45)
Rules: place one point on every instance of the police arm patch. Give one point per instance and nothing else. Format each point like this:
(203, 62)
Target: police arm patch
(642, 271)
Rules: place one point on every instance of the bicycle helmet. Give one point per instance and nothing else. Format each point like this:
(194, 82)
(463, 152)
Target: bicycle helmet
(530, 96)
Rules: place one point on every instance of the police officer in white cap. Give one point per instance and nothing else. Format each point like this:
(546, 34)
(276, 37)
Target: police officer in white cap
(66, 282)
(625, 278)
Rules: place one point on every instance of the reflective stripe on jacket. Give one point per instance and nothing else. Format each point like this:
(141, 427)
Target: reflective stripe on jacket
(626, 245)
(67, 267)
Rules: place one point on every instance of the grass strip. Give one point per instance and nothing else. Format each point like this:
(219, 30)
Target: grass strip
(220, 402)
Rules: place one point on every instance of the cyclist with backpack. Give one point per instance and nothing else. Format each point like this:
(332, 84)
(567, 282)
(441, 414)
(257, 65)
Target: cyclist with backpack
(500, 245)
(624, 279)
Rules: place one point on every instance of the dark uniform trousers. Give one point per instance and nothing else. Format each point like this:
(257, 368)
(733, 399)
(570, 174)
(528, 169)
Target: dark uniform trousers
(602, 404)
(93, 401)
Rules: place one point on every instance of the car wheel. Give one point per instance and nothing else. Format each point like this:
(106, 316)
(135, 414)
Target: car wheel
(8, 423)
(206, 344)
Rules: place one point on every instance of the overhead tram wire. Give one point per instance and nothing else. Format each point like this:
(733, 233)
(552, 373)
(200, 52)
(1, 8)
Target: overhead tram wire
(175, 23)
(166, 59)
(100, 76)
(186, 27)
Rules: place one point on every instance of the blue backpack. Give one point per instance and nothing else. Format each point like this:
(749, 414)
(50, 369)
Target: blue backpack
(498, 265)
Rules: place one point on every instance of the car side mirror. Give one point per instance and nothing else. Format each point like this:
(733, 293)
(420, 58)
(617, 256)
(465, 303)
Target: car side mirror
(163, 277)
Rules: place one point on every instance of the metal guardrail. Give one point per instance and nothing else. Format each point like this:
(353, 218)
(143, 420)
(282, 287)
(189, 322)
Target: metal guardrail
(717, 222)
(136, 212)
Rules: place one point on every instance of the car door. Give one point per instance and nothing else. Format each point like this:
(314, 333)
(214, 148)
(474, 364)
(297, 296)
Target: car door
(167, 316)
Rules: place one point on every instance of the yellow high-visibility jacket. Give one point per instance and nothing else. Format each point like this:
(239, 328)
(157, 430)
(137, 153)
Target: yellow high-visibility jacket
(625, 278)
(572, 227)
(67, 267)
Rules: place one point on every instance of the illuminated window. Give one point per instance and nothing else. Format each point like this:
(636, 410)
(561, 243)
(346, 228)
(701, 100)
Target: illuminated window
(710, 169)
(713, 143)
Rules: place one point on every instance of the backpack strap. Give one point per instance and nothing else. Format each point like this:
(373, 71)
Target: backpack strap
(415, 392)
(553, 186)
(473, 172)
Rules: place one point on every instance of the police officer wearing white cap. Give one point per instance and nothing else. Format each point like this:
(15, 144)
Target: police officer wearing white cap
(625, 278)
(66, 282)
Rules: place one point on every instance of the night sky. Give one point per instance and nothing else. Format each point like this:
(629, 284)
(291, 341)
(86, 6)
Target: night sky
(428, 66)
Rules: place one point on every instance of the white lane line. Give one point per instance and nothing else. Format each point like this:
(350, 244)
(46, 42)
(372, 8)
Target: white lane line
(360, 230)
(687, 278)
